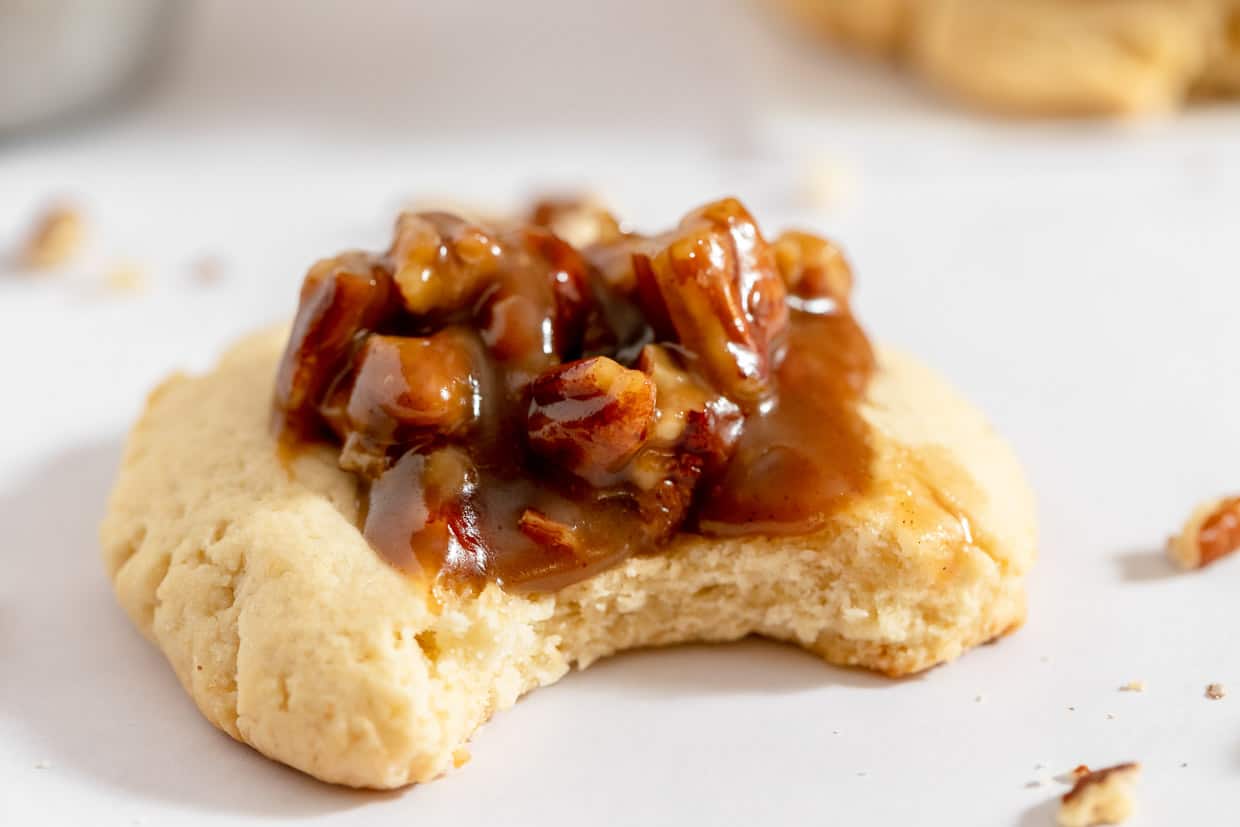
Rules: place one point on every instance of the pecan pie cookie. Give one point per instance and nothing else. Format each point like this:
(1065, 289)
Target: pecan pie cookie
(487, 455)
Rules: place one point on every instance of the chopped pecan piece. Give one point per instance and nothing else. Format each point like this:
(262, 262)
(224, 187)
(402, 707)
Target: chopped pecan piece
(694, 432)
(713, 287)
(525, 412)
(340, 298)
(441, 262)
(553, 278)
(591, 416)
(549, 534)
(569, 276)
(208, 269)
(1100, 797)
(1211, 532)
(407, 389)
(1220, 533)
(617, 261)
(125, 277)
(761, 289)
(688, 413)
(818, 277)
(665, 481)
(55, 238)
(536, 311)
(581, 221)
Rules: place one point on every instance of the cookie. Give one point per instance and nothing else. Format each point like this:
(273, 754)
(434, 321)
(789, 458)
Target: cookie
(1049, 57)
(293, 636)
(484, 457)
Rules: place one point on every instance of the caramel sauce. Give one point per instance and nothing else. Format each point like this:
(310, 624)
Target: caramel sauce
(524, 412)
(808, 452)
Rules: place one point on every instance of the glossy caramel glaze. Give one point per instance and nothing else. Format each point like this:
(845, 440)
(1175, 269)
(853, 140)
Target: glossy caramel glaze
(523, 411)
(808, 452)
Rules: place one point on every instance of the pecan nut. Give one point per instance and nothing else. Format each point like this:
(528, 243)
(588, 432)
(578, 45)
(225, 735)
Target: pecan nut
(341, 297)
(689, 414)
(441, 262)
(1100, 797)
(581, 221)
(591, 416)
(1210, 533)
(712, 286)
(406, 389)
(818, 277)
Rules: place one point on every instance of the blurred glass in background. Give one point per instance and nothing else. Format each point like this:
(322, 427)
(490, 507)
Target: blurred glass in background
(59, 58)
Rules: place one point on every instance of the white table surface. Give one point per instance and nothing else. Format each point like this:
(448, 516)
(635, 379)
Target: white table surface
(1081, 283)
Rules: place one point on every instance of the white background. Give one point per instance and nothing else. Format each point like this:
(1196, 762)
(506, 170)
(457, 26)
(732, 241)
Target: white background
(1079, 282)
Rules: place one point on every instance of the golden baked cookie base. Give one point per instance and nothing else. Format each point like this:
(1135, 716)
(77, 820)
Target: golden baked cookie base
(293, 636)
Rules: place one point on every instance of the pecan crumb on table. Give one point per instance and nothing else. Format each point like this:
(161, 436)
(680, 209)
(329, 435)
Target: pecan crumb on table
(125, 277)
(1211, 532)
(55, 238)
(1100, 797)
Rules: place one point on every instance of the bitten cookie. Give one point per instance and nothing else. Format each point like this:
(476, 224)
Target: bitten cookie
(252, 566)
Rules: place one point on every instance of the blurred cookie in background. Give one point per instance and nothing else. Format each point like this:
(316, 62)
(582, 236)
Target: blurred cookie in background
(1048, 57)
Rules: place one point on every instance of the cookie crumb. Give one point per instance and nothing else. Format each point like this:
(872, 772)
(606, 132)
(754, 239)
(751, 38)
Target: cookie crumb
(55, 238)
(207, 270)
(1029, 785)
(1100, 797)
(460, 757)
(1216, 691)
(1133, 686)
(125, 277)
(979, 699)
(827, 183)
